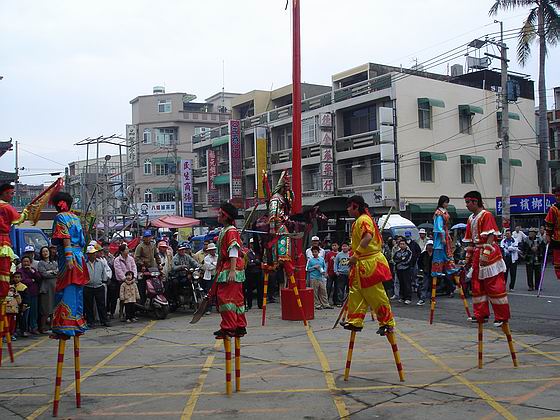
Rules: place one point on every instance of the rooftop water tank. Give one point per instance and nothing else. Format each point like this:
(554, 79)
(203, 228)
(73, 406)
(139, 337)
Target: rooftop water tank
(158, 90)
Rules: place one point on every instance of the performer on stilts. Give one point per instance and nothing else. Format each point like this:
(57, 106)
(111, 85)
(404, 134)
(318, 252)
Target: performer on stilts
(369, 269)
(68, 320)
(552, 226)
(442, 262)
(8, 217)
(488, 268)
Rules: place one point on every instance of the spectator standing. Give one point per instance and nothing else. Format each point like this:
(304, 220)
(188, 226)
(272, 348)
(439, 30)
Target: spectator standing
(416, 251)
(388, 253)
(316, 268)
(174, 242)
(342, 270)
(29, 251)
(32, 279)
(124, 262)
(533, 250)
(396, 285)
(518, 235)
(425, 264)
(201, 253)
(253, 277)
(331, 275)
(422, 239)
(23, 315)
(13, 303)
(510, 250)
(129, 295)
(210, 264)
(94, 290)
(165, 258)
(403, 261)
(315, 241)
(542, 233)
(48, 268)
(146, 253)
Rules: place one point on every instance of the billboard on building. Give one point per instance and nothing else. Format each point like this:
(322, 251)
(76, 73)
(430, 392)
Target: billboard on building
(212, 162)
(162, 208)
(260, 160)
(132, 143)
(187, 187)
(235, 163)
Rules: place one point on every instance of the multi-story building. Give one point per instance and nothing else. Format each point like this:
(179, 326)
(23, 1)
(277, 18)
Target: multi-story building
(398, 137)
(160, 135)
(553, 117)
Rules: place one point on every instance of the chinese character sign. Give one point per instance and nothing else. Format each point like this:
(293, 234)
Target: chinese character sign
(187, 187)
(132, 143)
(260, 159)
(527, 204)
(212, 162)
(235, 163)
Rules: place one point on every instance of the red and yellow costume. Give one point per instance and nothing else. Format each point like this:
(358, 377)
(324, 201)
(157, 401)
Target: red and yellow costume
(367, 276)
(488, 266)
(231, 303)
(8, 217)
(552, 226)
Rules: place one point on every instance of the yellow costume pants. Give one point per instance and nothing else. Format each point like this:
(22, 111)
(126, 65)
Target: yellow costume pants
(375, 297)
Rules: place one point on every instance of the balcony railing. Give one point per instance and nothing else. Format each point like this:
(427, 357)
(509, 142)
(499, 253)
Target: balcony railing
(358, 141)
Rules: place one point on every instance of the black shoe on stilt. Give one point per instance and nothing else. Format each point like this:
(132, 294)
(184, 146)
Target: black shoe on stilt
(221, 334)
(240, 331)
(384, 330)
(347, 326)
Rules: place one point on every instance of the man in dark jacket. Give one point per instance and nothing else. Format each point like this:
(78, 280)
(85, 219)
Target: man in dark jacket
(253, 277)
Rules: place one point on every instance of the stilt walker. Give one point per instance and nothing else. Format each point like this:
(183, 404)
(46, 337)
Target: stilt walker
(68, 321)
(369, 269)
(485, 257)
(552, 226)
(463, 298)
(442, 262)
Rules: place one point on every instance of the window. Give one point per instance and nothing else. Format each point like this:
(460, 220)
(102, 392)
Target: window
(147, 166)
(148, 196)
(376, 169)
(424, 115)
(308, 131)
(202, 159)
(147, 136)
(164, 105)
(166, 136)
(348, 179)
(465, 122)
(426, 169)
(467, 172)
(165, 168)
(360, 120)
(168, 196)
(312, 179)
(499, 128)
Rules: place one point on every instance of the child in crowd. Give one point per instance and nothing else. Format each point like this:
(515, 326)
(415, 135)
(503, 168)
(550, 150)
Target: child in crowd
(32, 279)
(13, 302)
(316, 268)
(23, 312)
(129, 294)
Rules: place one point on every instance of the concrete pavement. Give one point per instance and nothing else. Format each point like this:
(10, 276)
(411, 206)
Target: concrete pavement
(171, 369)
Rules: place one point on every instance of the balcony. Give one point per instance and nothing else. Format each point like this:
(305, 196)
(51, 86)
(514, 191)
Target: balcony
(357, 145)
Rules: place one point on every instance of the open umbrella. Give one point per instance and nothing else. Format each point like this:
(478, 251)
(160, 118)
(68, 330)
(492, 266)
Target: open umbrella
(425, 225)
(459, 226)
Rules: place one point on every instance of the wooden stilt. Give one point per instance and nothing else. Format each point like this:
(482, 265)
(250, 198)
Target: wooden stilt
(2, 320)
(237, 364)
(5, 331)
(392, 340)
(58, 380)
(507, 332)
(298, 299)
(265, 293)
(372, 314)
(462, 294)
(433, 302)
(341, 314)
(480, 344)
(77, 374)
(227, 348)
(349, 355)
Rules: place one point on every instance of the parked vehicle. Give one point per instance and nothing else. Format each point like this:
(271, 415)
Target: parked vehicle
(21, 237)
(183, 289)
(153, 300)
(397, 226)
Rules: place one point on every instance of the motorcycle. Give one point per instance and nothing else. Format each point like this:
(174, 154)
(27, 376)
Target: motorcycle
(154, 300)
(184, 289)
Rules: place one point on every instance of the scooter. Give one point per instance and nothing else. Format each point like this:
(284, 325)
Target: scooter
(183, 289)
(155, 301)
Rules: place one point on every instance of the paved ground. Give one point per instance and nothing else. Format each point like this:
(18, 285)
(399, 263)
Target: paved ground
(168, 369)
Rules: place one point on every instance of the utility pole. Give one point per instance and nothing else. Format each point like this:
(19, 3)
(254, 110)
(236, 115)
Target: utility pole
(506, 169)
(17, 172)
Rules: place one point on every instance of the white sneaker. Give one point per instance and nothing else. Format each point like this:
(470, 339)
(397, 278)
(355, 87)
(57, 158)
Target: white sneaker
(498, 323)
(407, 302)
(421, 302)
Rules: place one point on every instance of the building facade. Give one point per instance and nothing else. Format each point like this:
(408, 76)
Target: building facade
(400, 138)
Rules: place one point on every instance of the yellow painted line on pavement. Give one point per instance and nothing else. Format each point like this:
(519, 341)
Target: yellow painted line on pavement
(484, 395)
(27, 348)
(94, 369)
(530, 347)
(195, 394)
(329, 377)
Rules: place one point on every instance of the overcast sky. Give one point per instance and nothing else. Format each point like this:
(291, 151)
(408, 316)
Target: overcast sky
(70, 67)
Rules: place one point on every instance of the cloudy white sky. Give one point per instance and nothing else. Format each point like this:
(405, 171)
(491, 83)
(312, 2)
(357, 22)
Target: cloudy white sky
(70, 67)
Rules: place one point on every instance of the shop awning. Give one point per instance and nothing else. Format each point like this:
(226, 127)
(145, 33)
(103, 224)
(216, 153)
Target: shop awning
(163, 160)
(174, 222)
(511, 115)
(428, 208)
(554, 164)
(424, 102)
(221, 179)
(433, 156)
(218, 141)
(470, 109)
(473, 159)
(512, 162)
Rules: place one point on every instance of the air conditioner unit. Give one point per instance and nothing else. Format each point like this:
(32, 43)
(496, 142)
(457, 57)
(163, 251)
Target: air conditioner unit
(478, 63)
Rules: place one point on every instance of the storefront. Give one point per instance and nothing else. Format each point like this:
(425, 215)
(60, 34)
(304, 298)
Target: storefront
(527, 210)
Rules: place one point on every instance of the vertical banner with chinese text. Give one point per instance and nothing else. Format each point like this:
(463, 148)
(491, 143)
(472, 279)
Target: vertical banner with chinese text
(212, 162)
(187, 187)
(235, 164)
(327, 153)
(260, 160)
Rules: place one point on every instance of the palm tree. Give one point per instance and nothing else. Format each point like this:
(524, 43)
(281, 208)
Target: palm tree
(543, 22)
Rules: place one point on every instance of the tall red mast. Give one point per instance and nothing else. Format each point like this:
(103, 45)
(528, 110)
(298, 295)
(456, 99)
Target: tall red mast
(296, 108)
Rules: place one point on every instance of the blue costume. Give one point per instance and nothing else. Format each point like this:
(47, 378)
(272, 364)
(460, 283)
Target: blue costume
(72, 275)
(442, 262)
